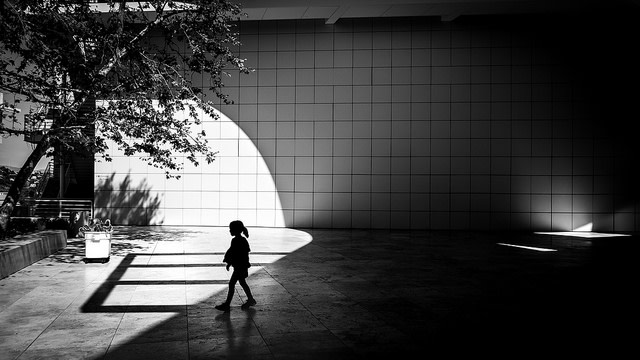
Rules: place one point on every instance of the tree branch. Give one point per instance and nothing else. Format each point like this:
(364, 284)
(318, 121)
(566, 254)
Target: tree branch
(12, 132)
(121, 52)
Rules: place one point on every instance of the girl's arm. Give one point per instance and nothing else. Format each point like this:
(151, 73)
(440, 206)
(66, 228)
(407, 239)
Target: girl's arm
(227, 258)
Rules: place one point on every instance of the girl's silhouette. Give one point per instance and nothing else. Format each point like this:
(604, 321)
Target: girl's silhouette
(238, 257)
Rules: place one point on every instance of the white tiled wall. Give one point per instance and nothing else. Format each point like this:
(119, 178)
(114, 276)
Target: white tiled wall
(390, 123)
(237, 185)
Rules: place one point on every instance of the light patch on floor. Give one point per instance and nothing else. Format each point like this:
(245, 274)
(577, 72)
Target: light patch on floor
(581, 234)
(527, 247)
(169, 268)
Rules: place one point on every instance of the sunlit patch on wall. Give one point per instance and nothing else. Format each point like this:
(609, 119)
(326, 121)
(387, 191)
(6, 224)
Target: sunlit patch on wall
(237, 185)
(585, 227)
(527, 247)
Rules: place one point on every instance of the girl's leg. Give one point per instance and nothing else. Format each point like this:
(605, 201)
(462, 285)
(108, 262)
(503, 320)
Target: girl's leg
(246, 289)
(232, 288)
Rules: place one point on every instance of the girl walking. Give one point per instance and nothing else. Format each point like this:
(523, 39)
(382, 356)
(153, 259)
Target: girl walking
(238, 257)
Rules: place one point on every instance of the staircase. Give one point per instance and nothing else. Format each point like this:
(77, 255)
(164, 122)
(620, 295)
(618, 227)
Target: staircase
(43, 202)
(67, 183)
(46, 176)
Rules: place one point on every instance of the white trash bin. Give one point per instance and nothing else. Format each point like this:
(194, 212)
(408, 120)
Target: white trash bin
(97, 246)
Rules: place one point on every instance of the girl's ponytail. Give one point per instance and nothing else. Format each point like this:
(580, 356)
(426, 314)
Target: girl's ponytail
(238, 227)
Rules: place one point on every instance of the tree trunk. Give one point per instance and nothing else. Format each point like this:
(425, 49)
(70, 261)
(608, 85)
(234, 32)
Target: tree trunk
(14, 193)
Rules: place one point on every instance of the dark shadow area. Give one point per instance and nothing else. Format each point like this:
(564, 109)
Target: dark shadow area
(407, 293)
(517, 302)
(582, 139)
(125, 203)
(601, 66)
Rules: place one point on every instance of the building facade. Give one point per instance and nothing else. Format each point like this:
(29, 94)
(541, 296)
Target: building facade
(481, 123)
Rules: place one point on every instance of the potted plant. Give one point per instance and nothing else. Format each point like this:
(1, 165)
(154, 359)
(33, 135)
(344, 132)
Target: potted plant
(97, 239)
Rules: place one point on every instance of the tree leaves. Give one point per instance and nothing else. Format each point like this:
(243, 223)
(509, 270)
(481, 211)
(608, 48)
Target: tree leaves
(137, 60)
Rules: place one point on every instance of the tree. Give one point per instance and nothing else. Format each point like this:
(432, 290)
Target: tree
(136, 58)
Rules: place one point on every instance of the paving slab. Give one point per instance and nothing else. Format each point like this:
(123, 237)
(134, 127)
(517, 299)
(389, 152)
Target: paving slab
(323, 294)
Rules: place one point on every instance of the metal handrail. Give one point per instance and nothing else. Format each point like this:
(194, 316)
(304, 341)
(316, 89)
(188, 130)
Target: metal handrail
(67, 177)
(64, 205)
(46, 175)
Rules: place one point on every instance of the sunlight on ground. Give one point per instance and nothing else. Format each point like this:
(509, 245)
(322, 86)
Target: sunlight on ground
(173, 272)
(527, 247)
(584, 231)
(581, 234)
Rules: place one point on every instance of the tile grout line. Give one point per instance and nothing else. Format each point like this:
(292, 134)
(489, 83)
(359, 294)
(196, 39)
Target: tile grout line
(51, 323)
(186, 299)
(311, 312)
(256, 325)
(155, 244)
(356, 302)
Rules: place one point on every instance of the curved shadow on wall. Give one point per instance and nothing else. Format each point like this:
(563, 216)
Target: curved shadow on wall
(237, 185)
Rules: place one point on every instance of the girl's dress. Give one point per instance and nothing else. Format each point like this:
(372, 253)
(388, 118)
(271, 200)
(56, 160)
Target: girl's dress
(238, 256)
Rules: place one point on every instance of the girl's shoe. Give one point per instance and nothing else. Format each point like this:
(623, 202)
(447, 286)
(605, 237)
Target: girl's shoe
(223, 307)
(249, 302)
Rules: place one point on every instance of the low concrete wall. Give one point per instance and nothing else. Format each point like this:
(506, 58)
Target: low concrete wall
(24, 250)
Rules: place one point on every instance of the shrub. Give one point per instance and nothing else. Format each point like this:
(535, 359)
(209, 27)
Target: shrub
(57, 224)
(28, 225)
